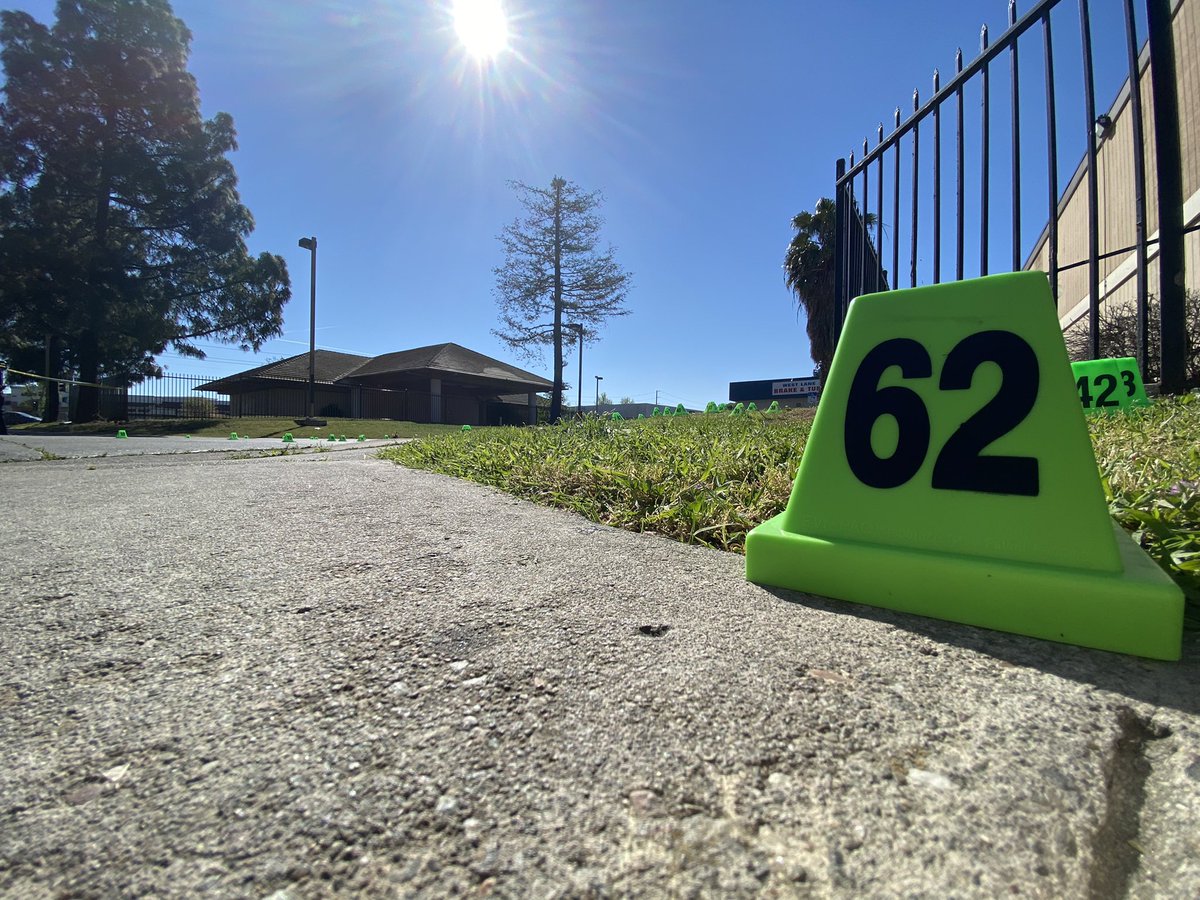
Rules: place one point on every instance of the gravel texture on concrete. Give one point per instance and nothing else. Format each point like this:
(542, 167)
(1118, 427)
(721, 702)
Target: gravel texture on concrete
(321, 674)
(22, 447)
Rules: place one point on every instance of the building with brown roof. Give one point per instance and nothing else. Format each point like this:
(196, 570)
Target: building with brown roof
(445, 383)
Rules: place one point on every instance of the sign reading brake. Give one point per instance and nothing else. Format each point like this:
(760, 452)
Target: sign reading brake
(795, 387)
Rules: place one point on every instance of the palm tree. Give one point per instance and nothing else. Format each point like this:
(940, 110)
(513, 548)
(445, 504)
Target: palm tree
(808, 269)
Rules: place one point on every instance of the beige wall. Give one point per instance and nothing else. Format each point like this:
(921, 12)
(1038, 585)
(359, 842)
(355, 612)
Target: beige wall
(1114, 171)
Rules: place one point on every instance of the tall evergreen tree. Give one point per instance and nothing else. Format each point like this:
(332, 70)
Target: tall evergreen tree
(554, 276)
(121, 229)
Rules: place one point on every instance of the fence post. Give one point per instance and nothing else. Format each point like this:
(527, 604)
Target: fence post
(1168, 163)
(839, 252)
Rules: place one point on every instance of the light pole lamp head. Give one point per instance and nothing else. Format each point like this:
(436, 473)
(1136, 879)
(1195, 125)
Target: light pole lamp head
(309, 243)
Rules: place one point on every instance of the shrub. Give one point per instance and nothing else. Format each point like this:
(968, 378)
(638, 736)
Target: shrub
(1118, 336)
(200, 408)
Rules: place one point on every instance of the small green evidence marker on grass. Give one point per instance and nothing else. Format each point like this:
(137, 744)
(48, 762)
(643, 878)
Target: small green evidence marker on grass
(233, 436)
(1108, 385)
(466, 428)
(949, 473)
(121, 433)
(287, 438)
(774, 407)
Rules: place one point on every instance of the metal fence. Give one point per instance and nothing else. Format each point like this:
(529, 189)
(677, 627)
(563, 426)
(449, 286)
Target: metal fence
(169, 397)
(864, 187)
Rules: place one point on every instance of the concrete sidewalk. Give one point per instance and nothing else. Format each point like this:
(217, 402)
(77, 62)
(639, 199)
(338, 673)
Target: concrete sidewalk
(24, 447)
(325, 674)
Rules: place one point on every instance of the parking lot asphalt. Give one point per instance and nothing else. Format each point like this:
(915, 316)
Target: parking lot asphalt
(323, 674)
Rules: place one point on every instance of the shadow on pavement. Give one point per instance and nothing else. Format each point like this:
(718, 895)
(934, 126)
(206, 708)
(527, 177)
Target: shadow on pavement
(1166, 684)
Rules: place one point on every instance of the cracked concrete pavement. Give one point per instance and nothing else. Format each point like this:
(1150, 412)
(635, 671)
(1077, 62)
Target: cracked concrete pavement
(23, 446)
(321, 674)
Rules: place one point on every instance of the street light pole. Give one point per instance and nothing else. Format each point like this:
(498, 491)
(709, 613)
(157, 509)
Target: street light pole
(579, 384)
(310, 244)
(599, 378)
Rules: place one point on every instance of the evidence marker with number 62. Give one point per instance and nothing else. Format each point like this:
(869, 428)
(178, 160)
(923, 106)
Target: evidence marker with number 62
(949, 473)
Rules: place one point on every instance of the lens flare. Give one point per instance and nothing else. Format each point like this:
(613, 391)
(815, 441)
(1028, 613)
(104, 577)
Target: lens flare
(482, 27)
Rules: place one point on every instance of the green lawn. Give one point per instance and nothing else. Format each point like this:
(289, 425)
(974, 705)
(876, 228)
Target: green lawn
(710, 479)
(247, 427)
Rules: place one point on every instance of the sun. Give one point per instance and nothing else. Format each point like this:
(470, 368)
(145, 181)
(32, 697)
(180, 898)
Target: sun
(482, 27)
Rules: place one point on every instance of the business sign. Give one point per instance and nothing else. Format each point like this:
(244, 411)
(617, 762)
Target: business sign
(795, 387)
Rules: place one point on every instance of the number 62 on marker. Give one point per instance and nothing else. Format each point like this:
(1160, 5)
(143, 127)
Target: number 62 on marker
(960, 463)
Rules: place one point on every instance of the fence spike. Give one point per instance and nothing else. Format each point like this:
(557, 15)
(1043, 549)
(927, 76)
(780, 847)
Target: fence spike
(983, 37)
(879, 134)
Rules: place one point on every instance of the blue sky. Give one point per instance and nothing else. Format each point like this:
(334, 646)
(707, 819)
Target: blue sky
(706, 125)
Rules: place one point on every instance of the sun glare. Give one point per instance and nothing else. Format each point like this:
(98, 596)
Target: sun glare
(481, 26)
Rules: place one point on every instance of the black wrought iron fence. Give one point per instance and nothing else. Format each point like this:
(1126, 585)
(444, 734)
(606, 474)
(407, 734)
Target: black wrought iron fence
(863, 187)
(169, 397)
(176, 397)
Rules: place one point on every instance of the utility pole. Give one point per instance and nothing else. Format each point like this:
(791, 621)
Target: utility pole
(310, 244)
(577, 327)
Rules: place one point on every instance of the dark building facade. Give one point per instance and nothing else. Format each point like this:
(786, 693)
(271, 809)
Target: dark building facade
(800, 391)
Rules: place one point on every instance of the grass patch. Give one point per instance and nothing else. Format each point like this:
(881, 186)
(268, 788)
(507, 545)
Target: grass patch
(246, 427)
(700, 479)
(710, 479)
(1149, 463)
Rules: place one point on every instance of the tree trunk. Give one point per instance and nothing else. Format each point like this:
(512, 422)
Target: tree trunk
(49, 410)
(87, 409)
(556, 397)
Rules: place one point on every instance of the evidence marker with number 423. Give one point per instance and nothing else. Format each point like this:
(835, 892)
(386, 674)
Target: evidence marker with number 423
(1108, 385)
(949, 473)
